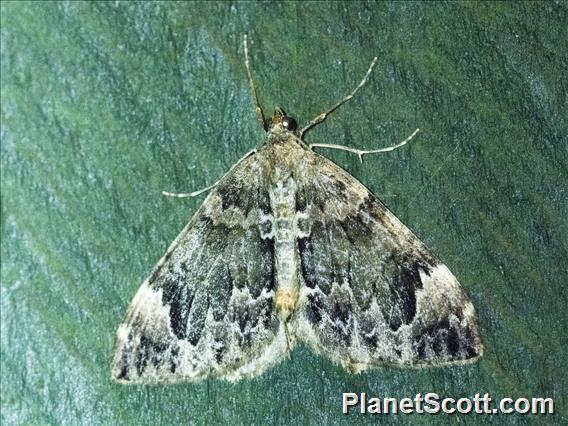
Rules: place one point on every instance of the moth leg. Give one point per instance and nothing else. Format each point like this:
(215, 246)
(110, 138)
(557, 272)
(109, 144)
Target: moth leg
(258, 108)
(189, 194)
(201, 191)
(359, 152)
(321, 118)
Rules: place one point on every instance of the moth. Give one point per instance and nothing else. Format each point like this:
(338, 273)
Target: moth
(288, 247)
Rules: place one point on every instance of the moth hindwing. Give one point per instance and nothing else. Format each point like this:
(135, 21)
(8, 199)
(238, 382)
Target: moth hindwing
(290, 247)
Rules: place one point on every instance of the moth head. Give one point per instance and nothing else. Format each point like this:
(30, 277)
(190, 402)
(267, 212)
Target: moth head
(280, 118)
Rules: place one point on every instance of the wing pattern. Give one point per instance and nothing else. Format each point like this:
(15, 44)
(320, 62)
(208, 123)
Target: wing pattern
(372, 293)
(207, 309)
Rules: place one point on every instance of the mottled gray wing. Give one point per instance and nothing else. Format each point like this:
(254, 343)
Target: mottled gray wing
(372, 293)
(207, 309)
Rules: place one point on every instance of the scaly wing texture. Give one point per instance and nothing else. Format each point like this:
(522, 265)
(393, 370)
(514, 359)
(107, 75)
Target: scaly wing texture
(372, 293)
(207, 309)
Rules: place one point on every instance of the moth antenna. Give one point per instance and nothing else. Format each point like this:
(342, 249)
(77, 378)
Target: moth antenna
(258, 108)
(321, 117)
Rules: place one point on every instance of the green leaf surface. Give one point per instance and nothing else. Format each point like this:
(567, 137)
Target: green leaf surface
(104, 105)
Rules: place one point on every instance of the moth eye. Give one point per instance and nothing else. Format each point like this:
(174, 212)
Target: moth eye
(289, 123)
